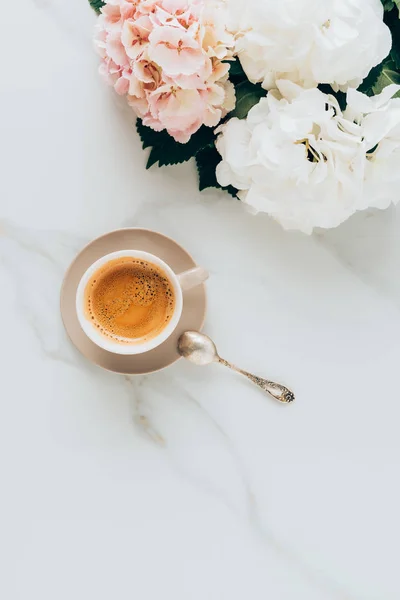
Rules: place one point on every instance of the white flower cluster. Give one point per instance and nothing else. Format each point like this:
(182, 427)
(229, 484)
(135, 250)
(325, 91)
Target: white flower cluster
(300, 159)
(297, 156)
(309, 41)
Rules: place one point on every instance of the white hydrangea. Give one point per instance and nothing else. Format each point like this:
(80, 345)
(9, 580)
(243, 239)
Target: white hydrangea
(309, 41)
(379, 119)
(300, 159)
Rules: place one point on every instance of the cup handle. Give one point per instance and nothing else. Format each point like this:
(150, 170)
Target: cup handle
(192, 277)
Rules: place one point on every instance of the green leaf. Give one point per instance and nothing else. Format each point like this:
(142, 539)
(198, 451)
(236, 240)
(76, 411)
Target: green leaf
(96, 4)
(207, 161)
(387, 76)
(395, 52)
(236, 69)
(387, 4)
(393, 22)
(236, 73)
(166, 151)
(388, 71)
(247, 95)
(148, 136)
(367, 86)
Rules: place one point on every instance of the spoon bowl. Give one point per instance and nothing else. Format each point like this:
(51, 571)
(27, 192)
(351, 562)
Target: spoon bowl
(198, 348)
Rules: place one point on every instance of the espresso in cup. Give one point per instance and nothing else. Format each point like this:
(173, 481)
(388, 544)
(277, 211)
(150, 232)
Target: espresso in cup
(129, 300)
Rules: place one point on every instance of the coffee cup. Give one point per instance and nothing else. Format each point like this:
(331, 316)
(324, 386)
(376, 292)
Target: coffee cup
(174, 285)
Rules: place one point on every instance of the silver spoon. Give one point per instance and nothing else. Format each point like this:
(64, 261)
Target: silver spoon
(201, 350)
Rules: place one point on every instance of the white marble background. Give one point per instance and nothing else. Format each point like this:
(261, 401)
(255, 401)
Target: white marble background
(188, 484)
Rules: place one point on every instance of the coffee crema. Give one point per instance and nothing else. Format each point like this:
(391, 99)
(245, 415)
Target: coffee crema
(129, 300)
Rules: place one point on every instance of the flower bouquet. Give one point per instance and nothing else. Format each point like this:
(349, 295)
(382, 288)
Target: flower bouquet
(293, 107)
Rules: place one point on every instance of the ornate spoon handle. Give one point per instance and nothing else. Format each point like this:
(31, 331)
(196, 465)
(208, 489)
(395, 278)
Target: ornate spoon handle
(277, 391)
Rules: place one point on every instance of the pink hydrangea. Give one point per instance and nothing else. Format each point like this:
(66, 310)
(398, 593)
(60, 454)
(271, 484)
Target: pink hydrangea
(167, 57)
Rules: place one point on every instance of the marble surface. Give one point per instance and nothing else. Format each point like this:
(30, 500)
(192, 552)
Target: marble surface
(187, 484)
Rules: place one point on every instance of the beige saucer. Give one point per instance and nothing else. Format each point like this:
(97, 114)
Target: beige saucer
(194, 303)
